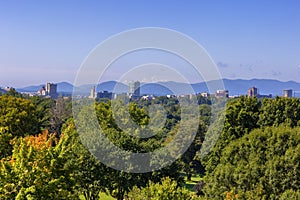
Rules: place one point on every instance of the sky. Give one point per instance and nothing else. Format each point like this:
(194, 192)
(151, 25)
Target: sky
(47, 41)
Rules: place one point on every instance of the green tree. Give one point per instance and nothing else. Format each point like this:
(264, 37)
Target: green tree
(5, 146)
(260, 165)
(18, 117)
(13, 92)
(43, 110)
(191, 163)
(60, 112)
(241, 117)
(91, 175)
(124, 137)
(280, 110)
(290, 195)
(167, 189)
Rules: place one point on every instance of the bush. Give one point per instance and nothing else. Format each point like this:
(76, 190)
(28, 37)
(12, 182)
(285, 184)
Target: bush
(167, 190)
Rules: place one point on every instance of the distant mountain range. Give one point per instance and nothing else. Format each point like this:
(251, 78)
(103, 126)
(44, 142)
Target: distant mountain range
(2, 90)
(235, 87)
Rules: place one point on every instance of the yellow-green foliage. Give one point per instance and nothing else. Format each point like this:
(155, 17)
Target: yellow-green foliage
(167, 190)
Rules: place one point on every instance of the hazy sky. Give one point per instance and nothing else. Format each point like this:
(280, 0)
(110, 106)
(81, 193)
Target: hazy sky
(42, 41)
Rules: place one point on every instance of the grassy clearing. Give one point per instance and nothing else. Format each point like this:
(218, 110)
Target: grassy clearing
(102, 196)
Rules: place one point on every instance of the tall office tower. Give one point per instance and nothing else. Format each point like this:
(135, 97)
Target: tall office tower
(134, 90)
(252, 92)
(287, 93)
(93, 93)
(51, 90)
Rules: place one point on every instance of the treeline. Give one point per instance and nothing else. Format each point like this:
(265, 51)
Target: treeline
(42, 156)
(256, 156)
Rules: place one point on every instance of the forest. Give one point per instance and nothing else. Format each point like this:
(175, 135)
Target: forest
(256, 154)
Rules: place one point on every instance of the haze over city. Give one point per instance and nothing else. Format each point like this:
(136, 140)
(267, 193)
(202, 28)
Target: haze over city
(47, 41)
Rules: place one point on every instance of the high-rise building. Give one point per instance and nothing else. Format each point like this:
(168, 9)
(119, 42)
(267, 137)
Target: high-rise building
(93, 93)
(134, 90)
(51, 90)
(252, 92)
(42, 91)
(287, 93)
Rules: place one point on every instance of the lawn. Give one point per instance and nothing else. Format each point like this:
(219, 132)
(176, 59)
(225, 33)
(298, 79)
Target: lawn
(102, 196)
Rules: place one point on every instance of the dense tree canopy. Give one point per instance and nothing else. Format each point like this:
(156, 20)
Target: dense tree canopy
(255, 157)
(260, 165)
(18, 116)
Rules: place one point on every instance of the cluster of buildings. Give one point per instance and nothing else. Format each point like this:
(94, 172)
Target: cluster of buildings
(102, 94)
(218, 94)
(222, 94)
(49, 91)
(252, 92)
(134, 92)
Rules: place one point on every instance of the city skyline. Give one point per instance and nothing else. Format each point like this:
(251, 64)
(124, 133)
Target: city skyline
(48, 41)
(264, 88)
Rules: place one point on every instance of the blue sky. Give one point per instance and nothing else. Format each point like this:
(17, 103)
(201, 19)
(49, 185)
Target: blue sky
(42, 41)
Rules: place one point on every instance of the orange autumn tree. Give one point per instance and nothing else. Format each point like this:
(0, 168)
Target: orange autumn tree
(41, 167)
(41, 141)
